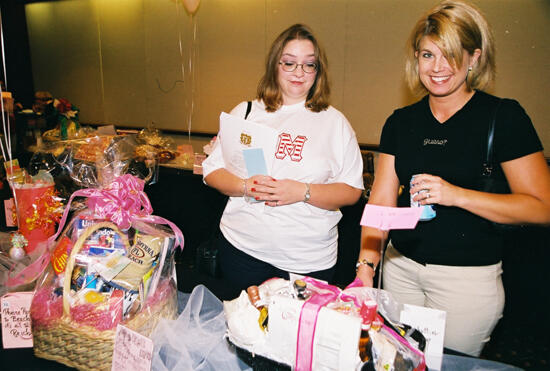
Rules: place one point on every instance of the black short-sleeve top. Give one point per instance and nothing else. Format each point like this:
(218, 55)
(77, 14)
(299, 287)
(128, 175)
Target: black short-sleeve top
(455, 151)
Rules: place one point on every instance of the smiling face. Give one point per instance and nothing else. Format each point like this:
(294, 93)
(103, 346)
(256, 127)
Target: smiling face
(440, 77)
(295, 85)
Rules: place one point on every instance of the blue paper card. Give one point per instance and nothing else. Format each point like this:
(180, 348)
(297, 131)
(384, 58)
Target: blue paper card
(255, 161)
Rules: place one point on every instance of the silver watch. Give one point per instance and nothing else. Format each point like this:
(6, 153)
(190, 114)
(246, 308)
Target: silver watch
(307, 196)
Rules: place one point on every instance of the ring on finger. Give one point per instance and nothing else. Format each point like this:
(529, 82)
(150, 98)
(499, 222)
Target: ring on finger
(427, 195)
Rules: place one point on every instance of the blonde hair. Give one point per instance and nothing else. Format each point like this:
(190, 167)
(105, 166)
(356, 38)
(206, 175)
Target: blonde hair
(269, 90)
(453, 25)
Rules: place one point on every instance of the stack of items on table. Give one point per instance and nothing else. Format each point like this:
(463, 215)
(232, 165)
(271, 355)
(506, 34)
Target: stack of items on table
(307, 324)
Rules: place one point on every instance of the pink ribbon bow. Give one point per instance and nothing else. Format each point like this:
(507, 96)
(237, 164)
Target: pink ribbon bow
(121, 202)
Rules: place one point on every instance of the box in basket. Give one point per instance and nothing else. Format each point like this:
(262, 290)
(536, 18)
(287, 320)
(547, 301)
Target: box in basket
(299, 331)
(112, 264)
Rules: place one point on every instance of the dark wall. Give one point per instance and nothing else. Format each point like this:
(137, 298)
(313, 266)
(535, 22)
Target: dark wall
(17, 53)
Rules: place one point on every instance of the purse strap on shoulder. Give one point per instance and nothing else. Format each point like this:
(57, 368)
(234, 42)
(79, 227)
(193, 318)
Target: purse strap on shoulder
(488, 164)
(248, 109)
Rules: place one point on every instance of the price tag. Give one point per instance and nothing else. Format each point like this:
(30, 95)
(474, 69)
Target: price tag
(431, 323)
(16, 320)
(132, 351)
(386, 218)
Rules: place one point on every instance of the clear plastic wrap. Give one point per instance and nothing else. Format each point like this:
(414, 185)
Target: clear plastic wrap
(102, 276)
(56, 172)
(391, 351)
(152, 144)
(93, 162)
(112, 264)
(13, 259)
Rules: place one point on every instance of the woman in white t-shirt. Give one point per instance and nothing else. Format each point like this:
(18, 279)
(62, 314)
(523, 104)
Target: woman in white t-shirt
(317, 168)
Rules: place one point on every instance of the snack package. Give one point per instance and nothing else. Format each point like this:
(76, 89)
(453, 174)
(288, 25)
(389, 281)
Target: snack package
(154, 145)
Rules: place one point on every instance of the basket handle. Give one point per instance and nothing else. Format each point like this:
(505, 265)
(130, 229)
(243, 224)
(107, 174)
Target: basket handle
(76, 249)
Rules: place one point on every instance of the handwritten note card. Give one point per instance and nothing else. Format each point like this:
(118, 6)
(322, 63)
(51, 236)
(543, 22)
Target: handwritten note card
(132, 351)
(386, 218)
(16, 320)
(431, 323)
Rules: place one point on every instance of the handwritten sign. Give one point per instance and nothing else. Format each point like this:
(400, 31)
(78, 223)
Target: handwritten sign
(431, 323)
(386, 218)
(132, 351)
(16, 320)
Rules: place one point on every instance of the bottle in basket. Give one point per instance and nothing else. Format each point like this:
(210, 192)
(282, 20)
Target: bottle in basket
(428, 212)
(368, 313)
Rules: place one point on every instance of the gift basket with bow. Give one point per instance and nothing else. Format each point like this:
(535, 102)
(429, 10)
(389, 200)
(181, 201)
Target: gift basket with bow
(112, 263)
(306, 324)
(41, 192)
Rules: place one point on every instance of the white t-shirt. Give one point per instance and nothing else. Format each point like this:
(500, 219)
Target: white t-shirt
(313, 147)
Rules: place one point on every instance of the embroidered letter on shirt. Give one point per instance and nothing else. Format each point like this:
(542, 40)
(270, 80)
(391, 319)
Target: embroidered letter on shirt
(292, 147)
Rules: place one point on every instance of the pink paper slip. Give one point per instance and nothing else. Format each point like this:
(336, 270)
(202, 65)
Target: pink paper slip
(386, 218)
(132, 351)
(16, 320)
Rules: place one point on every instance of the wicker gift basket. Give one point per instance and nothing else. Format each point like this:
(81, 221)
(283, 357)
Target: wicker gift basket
(102, 275)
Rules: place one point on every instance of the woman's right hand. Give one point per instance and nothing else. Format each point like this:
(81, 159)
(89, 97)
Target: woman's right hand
(366, 275)
(262, 192)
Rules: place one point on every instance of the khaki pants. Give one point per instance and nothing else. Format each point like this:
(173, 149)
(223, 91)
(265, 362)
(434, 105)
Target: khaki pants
(473, 297)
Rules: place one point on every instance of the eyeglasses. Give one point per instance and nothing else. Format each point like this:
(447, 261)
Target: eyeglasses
(291, 66)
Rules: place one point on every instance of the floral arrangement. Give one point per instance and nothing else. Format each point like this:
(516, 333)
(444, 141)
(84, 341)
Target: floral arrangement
(65, 116)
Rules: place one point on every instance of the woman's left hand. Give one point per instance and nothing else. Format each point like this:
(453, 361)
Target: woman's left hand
(279, 192)
(436, 190)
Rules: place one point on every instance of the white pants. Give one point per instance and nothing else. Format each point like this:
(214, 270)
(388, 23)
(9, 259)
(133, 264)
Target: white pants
(473, 297)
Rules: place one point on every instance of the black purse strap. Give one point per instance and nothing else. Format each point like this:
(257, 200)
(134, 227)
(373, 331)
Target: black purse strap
(248, 109)
(488, 164)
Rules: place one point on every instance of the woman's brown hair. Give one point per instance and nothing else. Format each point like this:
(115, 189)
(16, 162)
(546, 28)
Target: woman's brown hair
(269, 90)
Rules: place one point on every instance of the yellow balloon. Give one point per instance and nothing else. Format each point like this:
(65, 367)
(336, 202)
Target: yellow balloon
(191, 5)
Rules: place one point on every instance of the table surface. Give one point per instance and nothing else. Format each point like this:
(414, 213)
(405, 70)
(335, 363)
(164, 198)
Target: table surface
(24, 359)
